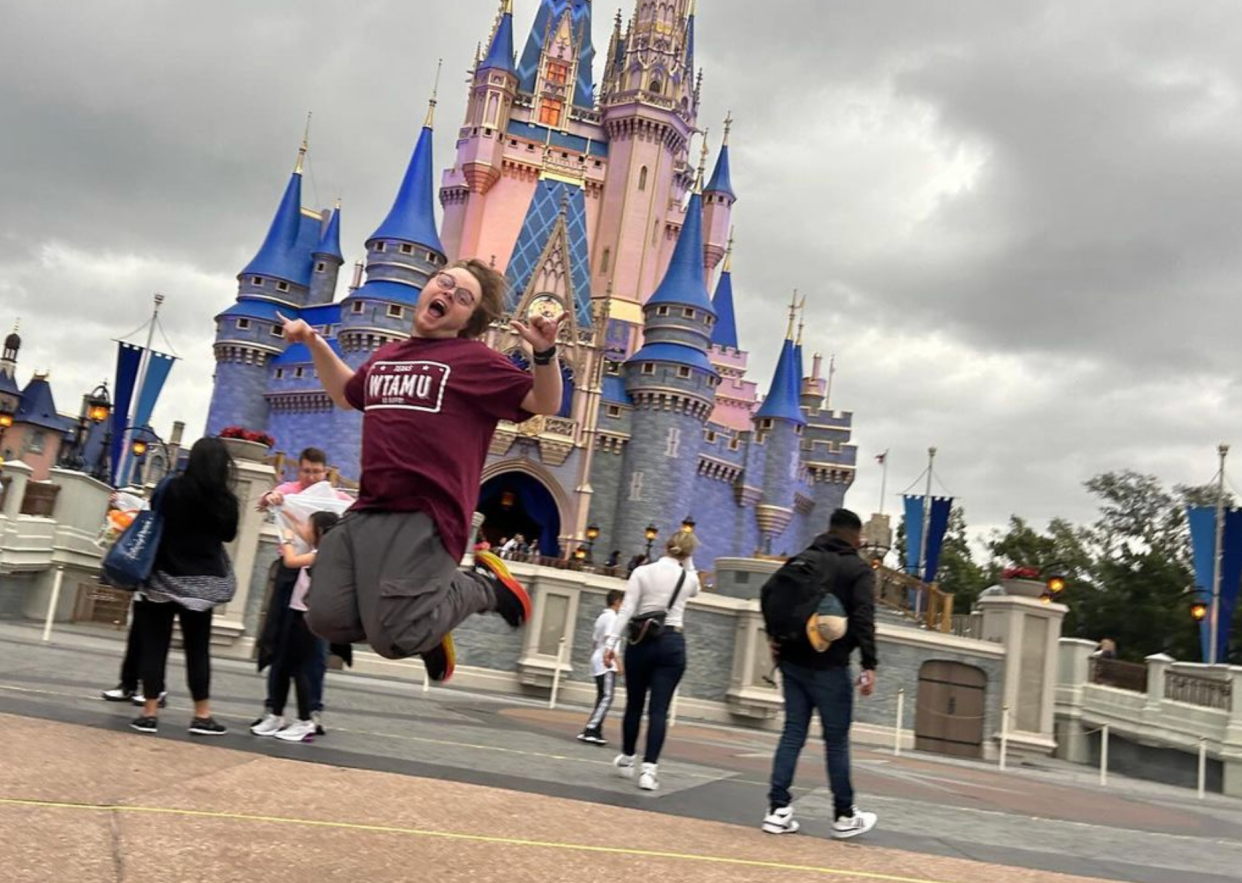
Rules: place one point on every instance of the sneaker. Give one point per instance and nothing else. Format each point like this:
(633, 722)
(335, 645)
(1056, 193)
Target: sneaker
(512, 601)
(648, 780)
(299, 731)
(592, 737)
(858, 822)
(139, 699)
(269, 725)
(441, 661)
(317, 718)
(144, 724)
(780, 820)
(207, 726)
(118, 694)
(624, 764)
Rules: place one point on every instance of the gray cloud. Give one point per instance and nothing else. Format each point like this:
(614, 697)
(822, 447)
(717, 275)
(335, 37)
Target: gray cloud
(1014, 221)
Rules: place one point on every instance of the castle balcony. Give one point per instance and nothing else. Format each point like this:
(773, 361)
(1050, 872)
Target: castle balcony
(556, 437)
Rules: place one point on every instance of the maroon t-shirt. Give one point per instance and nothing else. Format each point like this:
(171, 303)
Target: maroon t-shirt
(430, 408)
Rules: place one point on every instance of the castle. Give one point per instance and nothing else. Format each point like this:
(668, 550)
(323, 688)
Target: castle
(591, 205)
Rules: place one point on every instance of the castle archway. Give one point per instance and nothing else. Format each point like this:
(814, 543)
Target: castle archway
(515, 501)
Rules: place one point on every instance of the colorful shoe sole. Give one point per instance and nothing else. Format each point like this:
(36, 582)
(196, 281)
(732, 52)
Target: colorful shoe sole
(442, 661)
(497, 566)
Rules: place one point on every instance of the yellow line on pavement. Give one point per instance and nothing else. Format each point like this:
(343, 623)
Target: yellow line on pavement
(471, 838)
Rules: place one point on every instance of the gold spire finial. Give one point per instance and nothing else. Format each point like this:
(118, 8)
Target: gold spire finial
(698, 181)
(338, 204)
(297, 170)
(793, 309)
(728, 264)
(431, 105)
(728, 127)
(506, 7)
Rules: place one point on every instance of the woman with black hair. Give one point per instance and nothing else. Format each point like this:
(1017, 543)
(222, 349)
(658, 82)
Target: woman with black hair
(191, 577)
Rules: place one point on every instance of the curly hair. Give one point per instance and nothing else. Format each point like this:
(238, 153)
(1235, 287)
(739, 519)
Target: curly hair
(491, 305)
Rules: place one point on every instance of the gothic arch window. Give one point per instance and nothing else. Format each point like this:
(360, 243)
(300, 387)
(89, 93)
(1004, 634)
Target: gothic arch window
(605, 261)
(493, 104)
(657, 86)
(642, 178)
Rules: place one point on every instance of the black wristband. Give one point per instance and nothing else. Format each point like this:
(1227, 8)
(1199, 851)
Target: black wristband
(545, 357)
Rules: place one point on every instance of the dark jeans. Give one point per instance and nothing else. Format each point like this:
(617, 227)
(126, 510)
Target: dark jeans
(831, 692)
(154, 622)
(131, 664)
(316, 667)
(293, 662)
(655, 668)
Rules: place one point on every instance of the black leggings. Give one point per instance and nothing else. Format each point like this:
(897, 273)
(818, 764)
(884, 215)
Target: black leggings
(653, 667)
(293, 658)
(153, 622)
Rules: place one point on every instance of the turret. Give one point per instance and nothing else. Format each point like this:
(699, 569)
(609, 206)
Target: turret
(718, 200)
(779, 423)
(328, 260)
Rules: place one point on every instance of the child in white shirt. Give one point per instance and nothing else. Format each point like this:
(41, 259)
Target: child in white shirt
(605, 675)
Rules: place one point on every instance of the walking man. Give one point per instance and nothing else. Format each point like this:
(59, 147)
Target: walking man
(388, 573)
(605, 674)
(814, 660)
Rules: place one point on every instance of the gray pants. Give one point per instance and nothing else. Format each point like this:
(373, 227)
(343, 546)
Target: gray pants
(384, 578)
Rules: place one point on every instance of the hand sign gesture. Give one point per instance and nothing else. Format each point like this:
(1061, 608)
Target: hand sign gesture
(296, 330)
(541, 333)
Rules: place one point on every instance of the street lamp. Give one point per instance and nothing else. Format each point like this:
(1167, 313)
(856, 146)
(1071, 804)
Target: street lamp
(96, 406)
(6, 420)
(592, 534)
(650, 533)
(144, 438)
(687, 524)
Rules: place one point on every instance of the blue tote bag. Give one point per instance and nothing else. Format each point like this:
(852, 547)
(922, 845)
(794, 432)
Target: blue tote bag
(131, 559)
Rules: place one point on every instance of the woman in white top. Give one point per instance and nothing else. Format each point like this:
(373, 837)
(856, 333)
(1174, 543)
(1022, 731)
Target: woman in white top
(653, 665)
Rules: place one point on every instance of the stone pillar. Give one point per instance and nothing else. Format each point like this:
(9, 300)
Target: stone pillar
(1030, 630)
(1231, 747)
(1073, 672)
(1157, 667)
(18, 473)
(254, 479)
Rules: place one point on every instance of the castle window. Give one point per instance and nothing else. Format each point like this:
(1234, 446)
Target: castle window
(379, 246)
(406, 248)
(282, 286)
(683, 371)
(636, 487)
(358, 307)
(642, 179)
(661, 311)
(550, 111)
(672, 446)
(395, 312)
(320, 267)
(649, 367)
(657, 87)
(765, 424)
(280, 373)
(243, 324)
(558, 73)
(433, 257)
(605, 260)
(614, 411)
(278, 331)
(709, 436)
(613, 368)
(299, 372)
(734, 444)
(256, 280)
(688, 313)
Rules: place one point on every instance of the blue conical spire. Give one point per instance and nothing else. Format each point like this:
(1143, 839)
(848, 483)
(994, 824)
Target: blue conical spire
(412, 217)
(721, 181)
(690, 41)
(330, 241)
(782, 401)
(500, 52)
(683, 283)
(725, 332)
(548, 17)
(277, 257)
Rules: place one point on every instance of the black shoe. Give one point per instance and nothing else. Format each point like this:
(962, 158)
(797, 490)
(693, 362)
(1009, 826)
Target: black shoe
(512, 600)
(139, 699)
(592, 737)
(207, 726)
(144, 724)
(441, 661)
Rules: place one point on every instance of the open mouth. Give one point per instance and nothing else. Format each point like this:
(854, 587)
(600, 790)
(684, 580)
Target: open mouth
(437, 308)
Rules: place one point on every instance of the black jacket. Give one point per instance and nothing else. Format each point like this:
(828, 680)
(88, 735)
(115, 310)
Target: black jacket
(853, 581)
(195, 530)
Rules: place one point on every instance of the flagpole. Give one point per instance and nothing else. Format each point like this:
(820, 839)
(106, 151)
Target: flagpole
(143, 366)
(931, 459)
(1214, 617)
(883, 479)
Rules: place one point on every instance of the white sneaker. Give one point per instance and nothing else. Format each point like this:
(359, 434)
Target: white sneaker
(139, 700)
(269, 726)
(625, 765)
(117, 694)
(780, 821)
(300, 731)
(648, 781)
(849, 826)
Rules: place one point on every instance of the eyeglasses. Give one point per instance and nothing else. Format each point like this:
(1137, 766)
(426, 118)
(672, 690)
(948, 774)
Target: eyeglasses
(448, 282)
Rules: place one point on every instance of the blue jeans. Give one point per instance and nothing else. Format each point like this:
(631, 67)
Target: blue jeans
(317, 668)
(831, 692)
(652, 667)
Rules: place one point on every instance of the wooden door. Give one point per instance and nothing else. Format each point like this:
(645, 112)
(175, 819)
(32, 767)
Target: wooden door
(950, 709)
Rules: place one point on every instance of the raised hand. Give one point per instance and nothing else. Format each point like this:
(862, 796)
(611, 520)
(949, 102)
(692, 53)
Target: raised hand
(541, 333)
(296, 330)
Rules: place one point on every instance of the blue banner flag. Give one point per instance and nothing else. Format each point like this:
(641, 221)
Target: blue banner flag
(1202, 521)
(940, 509)
(128, 358)
(158, 366)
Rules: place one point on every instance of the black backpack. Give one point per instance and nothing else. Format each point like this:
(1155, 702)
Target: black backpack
(793, 594)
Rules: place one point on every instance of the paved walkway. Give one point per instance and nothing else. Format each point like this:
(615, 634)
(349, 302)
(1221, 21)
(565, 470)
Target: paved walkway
(454, 785)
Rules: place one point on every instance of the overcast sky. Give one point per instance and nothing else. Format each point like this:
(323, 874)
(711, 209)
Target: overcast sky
(1017, 223)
